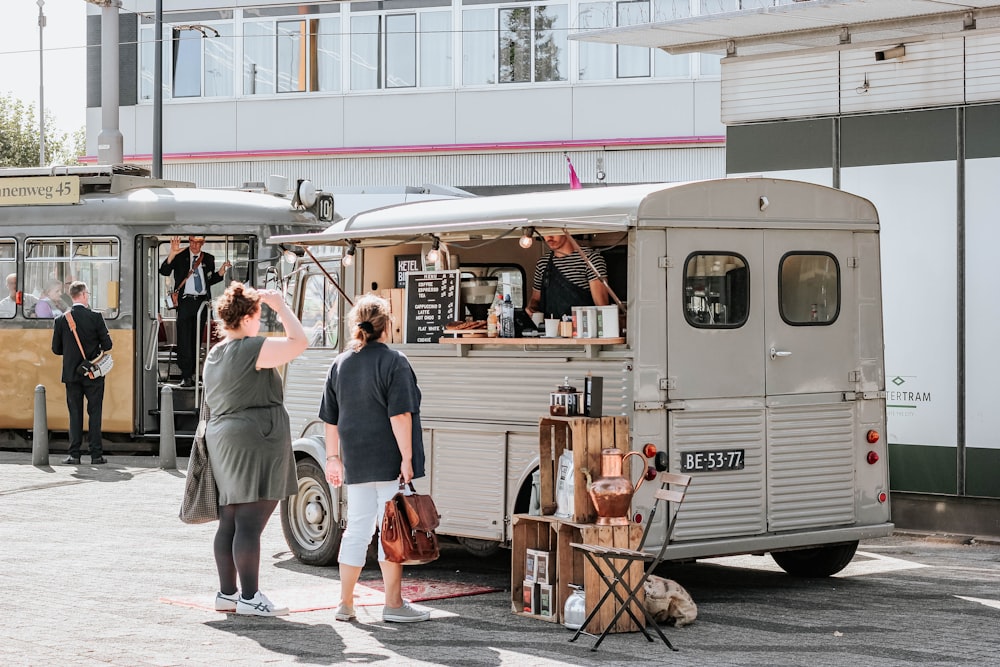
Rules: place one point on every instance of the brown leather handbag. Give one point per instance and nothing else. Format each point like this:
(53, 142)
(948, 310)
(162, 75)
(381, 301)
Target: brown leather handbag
(408, 527)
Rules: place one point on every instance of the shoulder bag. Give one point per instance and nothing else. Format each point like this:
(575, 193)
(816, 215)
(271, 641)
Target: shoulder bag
(173, 298)
(408, 527)
(98, 367)
(200, 503)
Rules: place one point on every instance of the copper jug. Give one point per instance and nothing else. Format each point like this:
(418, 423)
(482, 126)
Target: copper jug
(611, 492)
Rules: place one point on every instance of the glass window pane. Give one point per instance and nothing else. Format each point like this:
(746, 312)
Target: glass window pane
(292, 43)
(219, 62)
(8, 269)
(147, 64)
(717, 6)
(364, 52)
(809, 286)
(664, 64)
(187, 63)
(328, 60)
(319, 311)
(478, 47)
(401, 51)
(597, 61)
(710, 64)
(51, 265)
(551, 27)
(515, 45)
(258, 58)
(435, 49)
(633, 61)
(716, 290)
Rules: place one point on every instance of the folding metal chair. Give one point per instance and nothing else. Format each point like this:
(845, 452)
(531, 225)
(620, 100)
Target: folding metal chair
(612, 564)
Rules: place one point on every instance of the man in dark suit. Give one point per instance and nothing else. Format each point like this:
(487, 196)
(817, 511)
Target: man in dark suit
(94, 338)
(195, 288)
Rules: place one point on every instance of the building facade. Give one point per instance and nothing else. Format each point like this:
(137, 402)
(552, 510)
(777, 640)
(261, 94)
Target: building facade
(478, 94)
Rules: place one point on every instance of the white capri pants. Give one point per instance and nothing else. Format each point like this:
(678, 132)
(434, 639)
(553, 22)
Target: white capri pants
(365, 507)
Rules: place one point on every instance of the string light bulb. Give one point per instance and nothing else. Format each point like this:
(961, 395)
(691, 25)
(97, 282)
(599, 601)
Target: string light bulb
(349, 256)
(433, 255)
(527, 238)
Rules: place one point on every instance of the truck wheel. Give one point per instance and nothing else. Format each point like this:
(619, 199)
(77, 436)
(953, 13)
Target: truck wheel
(477, 547)
(308, 520)
(816, 562)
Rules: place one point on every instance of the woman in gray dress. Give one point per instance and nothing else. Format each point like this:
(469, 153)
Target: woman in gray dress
(248, 438)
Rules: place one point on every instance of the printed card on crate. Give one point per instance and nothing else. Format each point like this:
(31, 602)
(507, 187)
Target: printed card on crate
(530, 564)
(530, 592)
(543, 569)
(545, 600)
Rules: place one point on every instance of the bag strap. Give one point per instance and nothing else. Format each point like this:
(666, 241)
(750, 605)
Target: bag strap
(72, 327)
(194, 268)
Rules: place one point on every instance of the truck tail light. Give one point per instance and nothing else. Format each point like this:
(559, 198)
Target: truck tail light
(873, 436)
(872, 458)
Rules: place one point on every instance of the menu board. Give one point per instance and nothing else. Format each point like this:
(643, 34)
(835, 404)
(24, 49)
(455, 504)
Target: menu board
(432, 301)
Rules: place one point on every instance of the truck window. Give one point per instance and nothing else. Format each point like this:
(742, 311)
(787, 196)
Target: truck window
(809, 288)
(319, 311)
(716, 290)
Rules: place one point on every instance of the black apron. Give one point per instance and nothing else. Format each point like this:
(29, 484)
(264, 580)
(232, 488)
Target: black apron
(559, 295)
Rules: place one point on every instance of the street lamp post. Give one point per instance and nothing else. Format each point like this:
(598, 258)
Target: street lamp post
(41, 87)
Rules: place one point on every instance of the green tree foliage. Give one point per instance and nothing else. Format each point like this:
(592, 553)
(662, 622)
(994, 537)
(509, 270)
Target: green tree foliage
(19, 137)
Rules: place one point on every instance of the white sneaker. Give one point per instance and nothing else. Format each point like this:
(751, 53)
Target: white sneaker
(345, 613)
(259, 605)
(225, 602)
(405, 614)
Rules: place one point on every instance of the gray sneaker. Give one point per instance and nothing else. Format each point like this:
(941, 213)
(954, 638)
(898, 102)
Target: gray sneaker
(405, 614)
(345, 613)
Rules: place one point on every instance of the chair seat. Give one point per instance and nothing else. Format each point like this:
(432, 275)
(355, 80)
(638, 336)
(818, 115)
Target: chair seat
(616, 552)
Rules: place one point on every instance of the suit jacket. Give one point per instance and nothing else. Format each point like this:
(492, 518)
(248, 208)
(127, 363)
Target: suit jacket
(182, 265)
(93, 334)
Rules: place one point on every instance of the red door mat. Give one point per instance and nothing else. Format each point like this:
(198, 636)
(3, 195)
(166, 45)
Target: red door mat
(327, 594)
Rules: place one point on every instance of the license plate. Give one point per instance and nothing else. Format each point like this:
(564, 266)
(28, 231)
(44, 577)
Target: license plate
(712, 460)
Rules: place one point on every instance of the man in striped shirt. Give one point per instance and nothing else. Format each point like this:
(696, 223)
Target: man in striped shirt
(562, 279)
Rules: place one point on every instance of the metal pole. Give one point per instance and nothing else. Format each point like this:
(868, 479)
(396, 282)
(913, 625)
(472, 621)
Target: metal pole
(110, 145)
(40, 432)
(158, 93)
(168, 442)
(41, 86)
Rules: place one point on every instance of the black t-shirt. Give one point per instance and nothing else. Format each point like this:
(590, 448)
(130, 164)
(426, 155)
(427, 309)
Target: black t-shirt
(363, 390)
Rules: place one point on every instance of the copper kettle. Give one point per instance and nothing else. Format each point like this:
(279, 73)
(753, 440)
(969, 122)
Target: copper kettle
(611, 492)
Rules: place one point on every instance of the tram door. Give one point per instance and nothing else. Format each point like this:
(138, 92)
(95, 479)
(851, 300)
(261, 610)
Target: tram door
(155, 325)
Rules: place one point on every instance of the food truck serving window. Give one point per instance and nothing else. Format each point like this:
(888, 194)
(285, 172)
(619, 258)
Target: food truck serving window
(809, 288)
(716, 290)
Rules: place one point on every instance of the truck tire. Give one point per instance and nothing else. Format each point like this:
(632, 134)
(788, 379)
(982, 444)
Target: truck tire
(308, 518)
(817, 561)
(477, 547)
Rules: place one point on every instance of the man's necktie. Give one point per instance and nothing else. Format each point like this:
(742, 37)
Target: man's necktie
(196, 276)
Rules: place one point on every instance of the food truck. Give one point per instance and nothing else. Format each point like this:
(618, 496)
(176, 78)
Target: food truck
(744, 345)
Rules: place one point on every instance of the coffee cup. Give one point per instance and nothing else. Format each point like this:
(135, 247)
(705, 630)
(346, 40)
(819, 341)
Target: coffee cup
(538, 319)
(552, 328)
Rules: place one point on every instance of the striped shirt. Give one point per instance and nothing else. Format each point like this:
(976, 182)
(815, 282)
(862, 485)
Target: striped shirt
(572, 267)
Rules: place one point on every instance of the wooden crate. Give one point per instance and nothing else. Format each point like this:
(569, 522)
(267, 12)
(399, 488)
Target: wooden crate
(395, 298)
(569, 566)
(586, 437)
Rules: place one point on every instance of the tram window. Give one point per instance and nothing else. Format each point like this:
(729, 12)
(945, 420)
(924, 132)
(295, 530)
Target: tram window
(716, 290)
(809, 286)
(237, 251)
(8, 269)
(320, 317)
(51, 265)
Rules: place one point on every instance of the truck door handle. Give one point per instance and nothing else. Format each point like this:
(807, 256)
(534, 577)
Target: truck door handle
(780, 353)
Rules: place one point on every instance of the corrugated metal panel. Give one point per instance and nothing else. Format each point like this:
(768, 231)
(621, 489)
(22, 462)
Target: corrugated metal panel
(463, 467)
(724, 503)
(982, 68)
(653, 165)
(810, 466)
(304, 380)
(930, 74)
(789, 87)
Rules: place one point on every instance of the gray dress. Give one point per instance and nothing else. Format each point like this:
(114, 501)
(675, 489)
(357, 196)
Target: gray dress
(248, 436)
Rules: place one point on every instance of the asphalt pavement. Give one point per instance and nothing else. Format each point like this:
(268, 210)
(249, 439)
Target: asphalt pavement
(89, 553)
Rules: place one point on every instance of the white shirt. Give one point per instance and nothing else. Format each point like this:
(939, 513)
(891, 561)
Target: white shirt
(189, 287)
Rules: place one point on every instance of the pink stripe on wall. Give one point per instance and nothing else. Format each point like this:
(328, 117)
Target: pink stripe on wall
(434, 148)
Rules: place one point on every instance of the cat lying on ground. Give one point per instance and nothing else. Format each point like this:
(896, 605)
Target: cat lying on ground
(668, 602)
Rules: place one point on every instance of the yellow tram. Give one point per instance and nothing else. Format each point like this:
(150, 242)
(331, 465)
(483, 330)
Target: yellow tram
(111, 227)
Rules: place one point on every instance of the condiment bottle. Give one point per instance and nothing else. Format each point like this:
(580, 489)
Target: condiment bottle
(492, 323)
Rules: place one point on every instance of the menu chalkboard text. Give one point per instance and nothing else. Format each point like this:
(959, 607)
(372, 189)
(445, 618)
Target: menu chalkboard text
(432, 301)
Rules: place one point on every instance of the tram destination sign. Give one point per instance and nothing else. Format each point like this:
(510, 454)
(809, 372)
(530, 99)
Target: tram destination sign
(712, 460)
(39, 190)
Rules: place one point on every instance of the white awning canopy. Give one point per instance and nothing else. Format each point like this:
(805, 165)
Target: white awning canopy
(806, 24)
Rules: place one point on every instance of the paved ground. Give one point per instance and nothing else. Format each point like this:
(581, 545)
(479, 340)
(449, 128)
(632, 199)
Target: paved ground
(86, 553)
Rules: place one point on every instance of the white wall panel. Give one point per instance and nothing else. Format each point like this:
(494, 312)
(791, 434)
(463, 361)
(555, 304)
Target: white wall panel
(917, 218)
(293, 122)
(982, 68)
(658, 110)
(930, 74)
(982, 238)
(514, 114)
(785, 87)
(400, 119)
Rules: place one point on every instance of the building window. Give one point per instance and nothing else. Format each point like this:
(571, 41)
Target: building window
(809, 288)
(479, 58)
(716, 290)
(532, 43)
(401, 51)
(258, 58)
(201, 61)
(308, 55)
(51, 265)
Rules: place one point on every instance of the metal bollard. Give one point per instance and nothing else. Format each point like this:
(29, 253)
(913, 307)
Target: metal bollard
(40, 433)
(168, 443)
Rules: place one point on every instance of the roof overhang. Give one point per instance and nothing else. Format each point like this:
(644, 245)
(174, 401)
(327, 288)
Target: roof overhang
(582, 211)
(806, 24)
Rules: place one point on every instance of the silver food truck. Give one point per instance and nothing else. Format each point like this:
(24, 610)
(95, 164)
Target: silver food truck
(748, 354)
